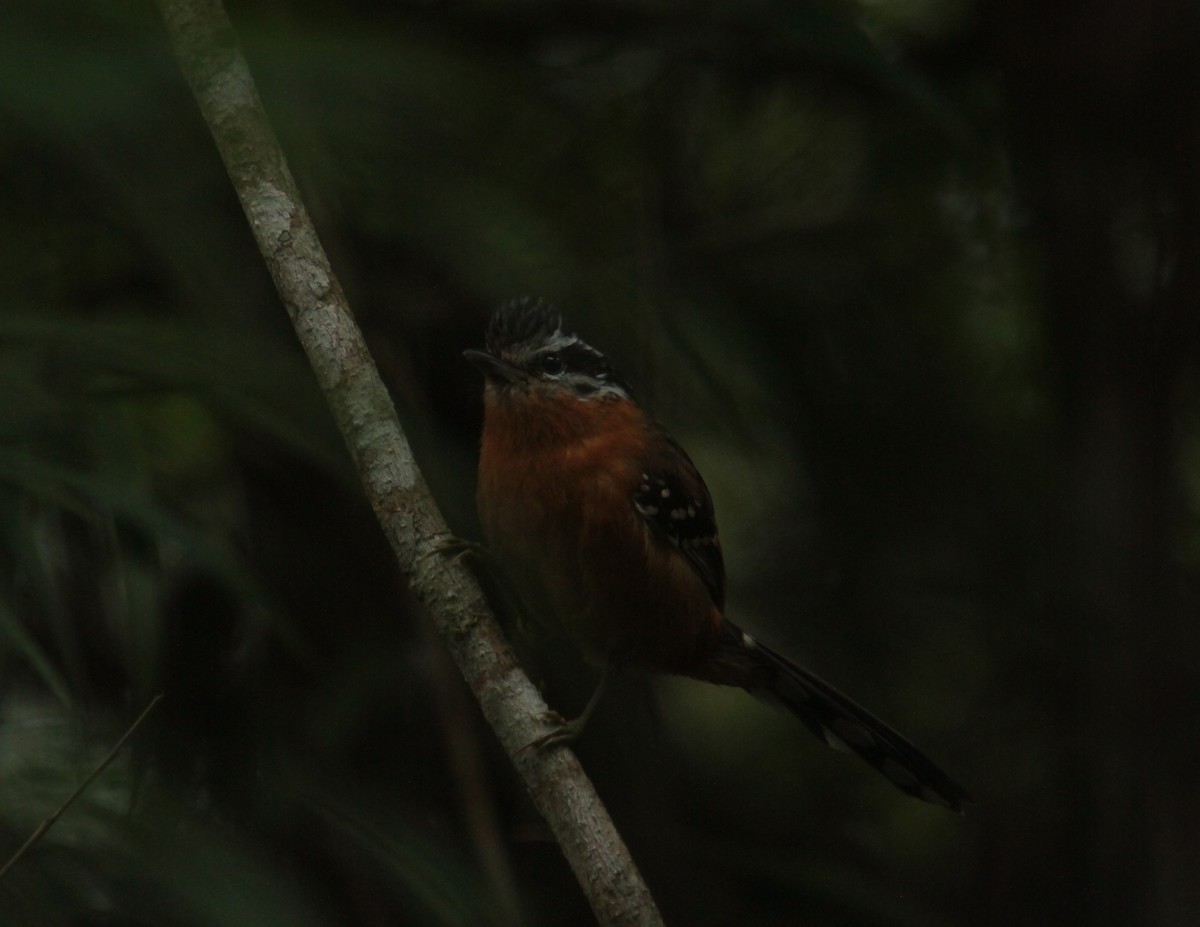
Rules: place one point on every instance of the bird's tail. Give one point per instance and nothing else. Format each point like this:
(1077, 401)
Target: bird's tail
(839, 721)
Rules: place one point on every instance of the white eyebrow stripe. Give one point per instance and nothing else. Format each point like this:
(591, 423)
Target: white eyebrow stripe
(560, 340)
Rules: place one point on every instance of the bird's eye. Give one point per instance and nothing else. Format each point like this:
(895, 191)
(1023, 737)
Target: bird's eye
(552, 364)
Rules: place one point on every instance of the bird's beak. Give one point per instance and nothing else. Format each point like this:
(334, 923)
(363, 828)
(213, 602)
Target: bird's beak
(492, 367)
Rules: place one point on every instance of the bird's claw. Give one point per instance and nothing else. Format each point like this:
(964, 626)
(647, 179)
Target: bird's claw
(562, 731)
(455, 548)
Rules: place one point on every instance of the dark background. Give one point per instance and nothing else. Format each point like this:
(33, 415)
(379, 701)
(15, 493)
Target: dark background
(914, 282)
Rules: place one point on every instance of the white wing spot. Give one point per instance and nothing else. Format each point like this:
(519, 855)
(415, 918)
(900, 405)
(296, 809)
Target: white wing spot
(748, 642)
(666, 493)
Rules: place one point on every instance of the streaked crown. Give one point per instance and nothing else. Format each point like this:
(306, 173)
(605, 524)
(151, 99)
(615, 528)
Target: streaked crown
(527, 335)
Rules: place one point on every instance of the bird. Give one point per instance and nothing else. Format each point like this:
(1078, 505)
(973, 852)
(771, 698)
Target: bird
(606, 531)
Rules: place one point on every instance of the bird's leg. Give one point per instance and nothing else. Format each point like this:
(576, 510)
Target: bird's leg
(455, 548)
(567, 731)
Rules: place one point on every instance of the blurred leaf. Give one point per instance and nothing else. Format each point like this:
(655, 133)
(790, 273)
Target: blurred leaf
(43, 478)
(14, 637)
(441, 892)
(817, 33)
(249, 379)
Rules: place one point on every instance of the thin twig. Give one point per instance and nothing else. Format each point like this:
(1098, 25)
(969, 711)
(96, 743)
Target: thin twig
(49, 822)
(208, 54)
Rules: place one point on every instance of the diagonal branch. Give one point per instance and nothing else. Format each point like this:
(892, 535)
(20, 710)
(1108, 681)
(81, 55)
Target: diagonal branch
(52, 819)
(208, 55)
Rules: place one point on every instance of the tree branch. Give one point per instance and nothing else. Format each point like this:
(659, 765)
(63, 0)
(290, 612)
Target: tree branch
(208, 54)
